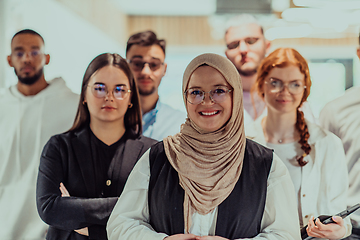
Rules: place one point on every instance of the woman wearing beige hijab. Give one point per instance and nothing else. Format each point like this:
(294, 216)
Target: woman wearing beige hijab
(208, 181)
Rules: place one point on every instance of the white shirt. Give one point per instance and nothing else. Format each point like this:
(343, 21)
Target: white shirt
(342, 117)
(162, 121)
(130, 216)
(324, 179)
(26, 124)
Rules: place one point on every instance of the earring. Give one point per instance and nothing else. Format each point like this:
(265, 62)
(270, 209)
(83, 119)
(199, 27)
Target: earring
(83, 102)
(130, 105)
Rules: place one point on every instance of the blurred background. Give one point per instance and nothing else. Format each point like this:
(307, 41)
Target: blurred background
(325, 32)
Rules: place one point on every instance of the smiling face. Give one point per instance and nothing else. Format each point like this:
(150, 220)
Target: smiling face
(108, 108)
(283, 101)
(27, 57)
(208, 115)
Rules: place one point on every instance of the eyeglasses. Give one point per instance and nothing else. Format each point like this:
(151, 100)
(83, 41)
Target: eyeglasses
(100, 90)
(248, 41)
(138, 64)
(217, 95)
(294, 87)
(31, 54)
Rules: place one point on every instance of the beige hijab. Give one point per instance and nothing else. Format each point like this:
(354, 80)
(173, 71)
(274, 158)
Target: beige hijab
(209, 164)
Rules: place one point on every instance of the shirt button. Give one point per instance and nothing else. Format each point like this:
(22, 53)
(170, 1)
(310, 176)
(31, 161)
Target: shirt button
(306, 216)
(304, 195)
(108, 182)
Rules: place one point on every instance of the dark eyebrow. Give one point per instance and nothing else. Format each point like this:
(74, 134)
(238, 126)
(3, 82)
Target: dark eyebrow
(121, 84)
(141, 57)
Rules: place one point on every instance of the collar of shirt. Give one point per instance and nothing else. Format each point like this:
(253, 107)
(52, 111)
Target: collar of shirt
(149, 118)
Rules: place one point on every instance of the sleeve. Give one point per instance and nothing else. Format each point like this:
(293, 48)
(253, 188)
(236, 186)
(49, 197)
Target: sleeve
(130, 217)
(280, 219)
(326, 119)
(335, 174)
(67, 213)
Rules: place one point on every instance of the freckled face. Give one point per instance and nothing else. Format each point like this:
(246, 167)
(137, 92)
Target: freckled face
(208, 115)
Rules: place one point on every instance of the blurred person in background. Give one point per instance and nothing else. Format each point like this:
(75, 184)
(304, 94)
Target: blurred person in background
(146, 56)
(31, 112)
(246, 48)
(342, 117)
(83, 171)
(314, 156)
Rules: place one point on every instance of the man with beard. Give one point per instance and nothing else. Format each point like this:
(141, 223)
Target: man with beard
(146, 55)
(31, 112)
(246, 48)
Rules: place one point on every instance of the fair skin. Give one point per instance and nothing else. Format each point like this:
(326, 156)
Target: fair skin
(28, 65)
(208, 115)
(107, 113)
(207, 78)
(246, 57)
(148, 80)
(280, 124)
(281, 119)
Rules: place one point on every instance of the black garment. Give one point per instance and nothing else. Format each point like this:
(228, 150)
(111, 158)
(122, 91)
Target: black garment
(239, 215)
(67, 158)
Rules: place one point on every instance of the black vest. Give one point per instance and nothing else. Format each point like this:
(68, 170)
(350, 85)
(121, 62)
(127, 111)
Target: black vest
(239, 215)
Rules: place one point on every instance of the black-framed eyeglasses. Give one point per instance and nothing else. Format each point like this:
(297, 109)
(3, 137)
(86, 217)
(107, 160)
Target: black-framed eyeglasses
(99, 90)
(217, 95)
(294, 87)
(248, 41)
(138, 64)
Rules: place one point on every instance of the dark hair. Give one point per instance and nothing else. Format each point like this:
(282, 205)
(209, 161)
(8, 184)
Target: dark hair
(27, 31)
(132, 117)
(283, 57)
(147, 38)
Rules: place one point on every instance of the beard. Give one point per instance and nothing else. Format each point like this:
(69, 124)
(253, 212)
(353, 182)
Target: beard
(30, 80)
(146, 93)
(247, 73)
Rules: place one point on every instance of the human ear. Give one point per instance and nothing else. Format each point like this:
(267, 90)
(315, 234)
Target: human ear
(9, 61)
(47, 59)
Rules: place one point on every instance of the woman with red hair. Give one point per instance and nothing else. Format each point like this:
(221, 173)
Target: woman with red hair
(314, 157)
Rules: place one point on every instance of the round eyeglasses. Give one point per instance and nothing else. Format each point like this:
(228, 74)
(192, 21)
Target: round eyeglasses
(294, 87)
(100, 90)
(217, 95)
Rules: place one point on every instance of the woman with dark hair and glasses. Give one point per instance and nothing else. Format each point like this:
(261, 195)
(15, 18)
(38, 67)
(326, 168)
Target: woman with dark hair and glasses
(83, 171)
(314, 157)
(208, 182)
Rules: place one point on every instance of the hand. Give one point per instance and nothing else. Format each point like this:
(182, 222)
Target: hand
(329, 231)
(83, 231)
(64, 191)
(210, 238)
(182, 237)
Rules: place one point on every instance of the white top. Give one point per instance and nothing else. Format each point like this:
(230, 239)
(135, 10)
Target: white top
(130, 216)
(26, 124)
(324, 180)
(287, 153)
(162, 121)
(342, 117)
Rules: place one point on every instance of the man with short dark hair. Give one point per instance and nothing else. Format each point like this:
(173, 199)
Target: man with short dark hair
(146, 56)
(31, 112)
(342, 117)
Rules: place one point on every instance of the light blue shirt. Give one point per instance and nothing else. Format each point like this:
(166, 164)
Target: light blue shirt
(162, 121)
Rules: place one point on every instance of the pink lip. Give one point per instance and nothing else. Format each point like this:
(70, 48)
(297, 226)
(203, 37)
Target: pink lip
(209, 113)
(108, 108)
(27, 69)
(283, 101)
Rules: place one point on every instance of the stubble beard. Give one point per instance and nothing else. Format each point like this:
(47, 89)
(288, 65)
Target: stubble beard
(148, 92)
(30, 80)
